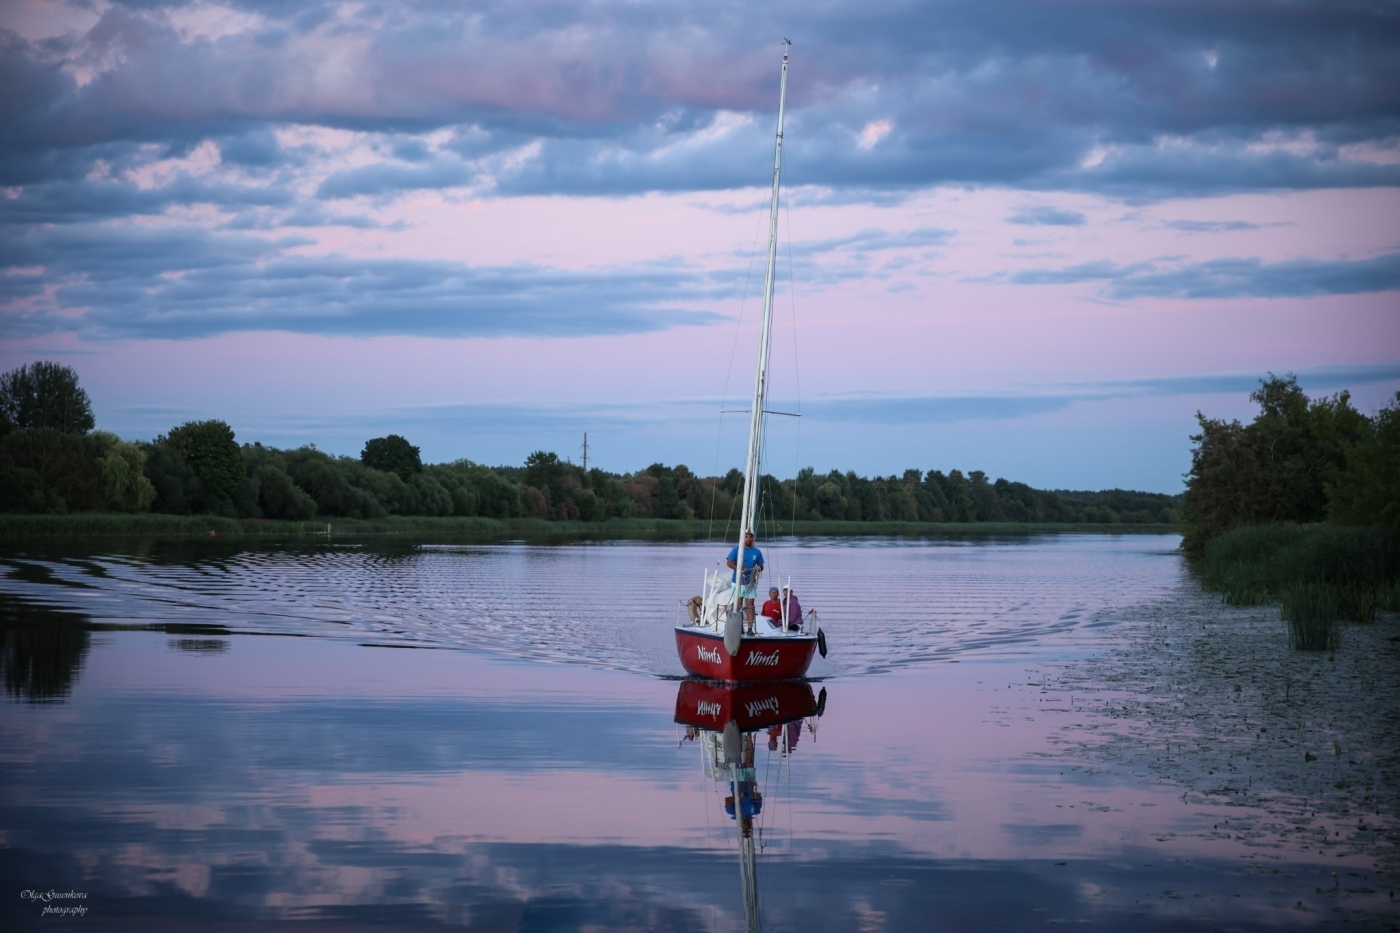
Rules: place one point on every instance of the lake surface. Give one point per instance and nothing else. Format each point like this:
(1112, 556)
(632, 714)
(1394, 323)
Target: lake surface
(389, 736)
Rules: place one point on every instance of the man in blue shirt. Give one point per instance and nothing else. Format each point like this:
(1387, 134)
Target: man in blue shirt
(747, 580)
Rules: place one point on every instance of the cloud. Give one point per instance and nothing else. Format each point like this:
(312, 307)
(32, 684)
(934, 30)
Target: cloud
(1241, 278)
(534, 419)
(931, 409)
(649, 97)
(868, 408)
(1047, 216)
(1227, 278)
(873, 132)
(873, 239)
(383, 178)
(1313, 379)
(73, 202)
(289, 119)
(1211, 226)
(181, 282)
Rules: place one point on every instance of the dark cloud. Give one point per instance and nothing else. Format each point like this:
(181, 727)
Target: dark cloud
(256, 148)
(74, 201)
(1140, 100)
(183, 282)
(306, 216)
(1247, 278)
(386, 178)
(1228, 278)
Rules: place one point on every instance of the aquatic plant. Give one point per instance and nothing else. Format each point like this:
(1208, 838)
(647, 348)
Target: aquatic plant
(1388, 597)
(1356, 603)
(1319, 574)
(1311, 611)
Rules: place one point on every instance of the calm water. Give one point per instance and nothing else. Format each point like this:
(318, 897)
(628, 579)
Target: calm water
(196, 733)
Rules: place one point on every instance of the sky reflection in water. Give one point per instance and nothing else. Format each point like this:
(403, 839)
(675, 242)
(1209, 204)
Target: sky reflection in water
(256, 777)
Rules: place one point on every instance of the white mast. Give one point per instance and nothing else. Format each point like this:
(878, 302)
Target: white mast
(760, 386)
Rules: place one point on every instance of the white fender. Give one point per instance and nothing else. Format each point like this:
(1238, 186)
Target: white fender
(731, 741)
(733, 631)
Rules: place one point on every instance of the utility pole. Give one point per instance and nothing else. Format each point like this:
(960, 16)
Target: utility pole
(585, 453)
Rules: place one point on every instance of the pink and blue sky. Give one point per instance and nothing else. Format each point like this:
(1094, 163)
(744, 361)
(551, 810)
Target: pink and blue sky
(1023, 237)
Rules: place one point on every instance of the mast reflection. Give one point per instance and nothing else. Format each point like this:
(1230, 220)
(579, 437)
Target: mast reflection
(724, 719)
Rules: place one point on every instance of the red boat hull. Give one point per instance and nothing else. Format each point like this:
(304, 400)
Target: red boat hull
(713, 706)
(759, 659)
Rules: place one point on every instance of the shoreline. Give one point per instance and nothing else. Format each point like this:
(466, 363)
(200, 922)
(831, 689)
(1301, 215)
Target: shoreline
(18, 527)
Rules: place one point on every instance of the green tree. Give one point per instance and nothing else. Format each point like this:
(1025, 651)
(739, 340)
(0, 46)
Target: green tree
(1276, 469)
(392, 454)
(1368, 491)
(124, 474)
(212, 453)
(268, 490)
(559, 484)
(332, 483)
(985, 507)
(958, 490)
(497, 497)
(178, 490)
(48, 470)
(44, 395)
(433, 498)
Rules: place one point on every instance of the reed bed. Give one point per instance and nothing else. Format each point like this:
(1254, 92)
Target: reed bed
(1318, 574)
(1311, 611)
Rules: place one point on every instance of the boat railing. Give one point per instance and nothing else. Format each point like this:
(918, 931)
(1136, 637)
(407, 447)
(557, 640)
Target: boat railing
(716, 597)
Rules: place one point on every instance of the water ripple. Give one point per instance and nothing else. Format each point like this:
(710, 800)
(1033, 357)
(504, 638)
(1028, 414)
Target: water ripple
(885, 604)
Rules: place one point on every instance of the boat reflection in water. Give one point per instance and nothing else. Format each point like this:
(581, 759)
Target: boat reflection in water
(724, 720)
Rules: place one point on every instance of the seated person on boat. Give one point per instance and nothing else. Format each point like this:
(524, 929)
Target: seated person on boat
(773, 609)
(747, 579)
(794, 609)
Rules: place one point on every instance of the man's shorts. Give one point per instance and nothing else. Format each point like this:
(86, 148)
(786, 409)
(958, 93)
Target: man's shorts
(748, 592)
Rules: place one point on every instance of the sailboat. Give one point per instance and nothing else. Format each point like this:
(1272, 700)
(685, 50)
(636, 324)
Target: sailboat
(715, 642)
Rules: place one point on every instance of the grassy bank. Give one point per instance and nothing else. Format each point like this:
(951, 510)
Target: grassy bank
(1317, 574)
(99, 524)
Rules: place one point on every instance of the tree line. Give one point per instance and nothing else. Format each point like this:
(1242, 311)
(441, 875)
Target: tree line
(53, 461)
(1300, 460)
